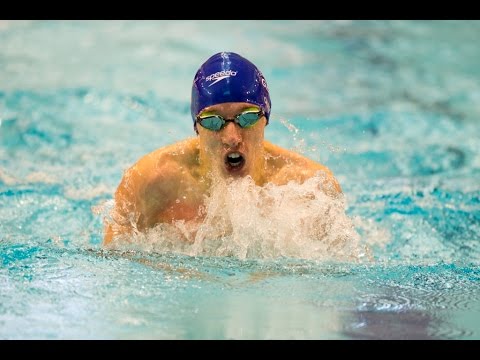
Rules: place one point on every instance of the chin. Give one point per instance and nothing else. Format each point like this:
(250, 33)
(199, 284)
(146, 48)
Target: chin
(235, 172)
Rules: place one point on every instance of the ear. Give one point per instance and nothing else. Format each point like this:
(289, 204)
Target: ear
(265, 121)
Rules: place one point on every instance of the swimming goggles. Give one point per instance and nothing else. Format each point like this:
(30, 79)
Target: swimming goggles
(244, 120)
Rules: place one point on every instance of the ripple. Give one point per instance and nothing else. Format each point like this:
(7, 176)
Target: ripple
(425, 288)
(461, 299)
(448, 331)
(380, 302)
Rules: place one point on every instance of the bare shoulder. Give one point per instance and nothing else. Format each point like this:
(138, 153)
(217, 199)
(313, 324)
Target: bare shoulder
(163, 163)
(150, 183)
(286, 165)
(148, 186)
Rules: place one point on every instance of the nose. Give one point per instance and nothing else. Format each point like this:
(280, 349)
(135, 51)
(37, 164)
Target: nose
(231, 136)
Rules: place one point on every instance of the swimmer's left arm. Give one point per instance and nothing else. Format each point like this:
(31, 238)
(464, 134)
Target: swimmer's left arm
(330, 185)
(301, 169)
(296, 167)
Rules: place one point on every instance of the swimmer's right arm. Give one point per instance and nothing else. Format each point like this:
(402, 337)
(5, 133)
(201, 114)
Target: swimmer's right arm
(125, 207)
(143, 193)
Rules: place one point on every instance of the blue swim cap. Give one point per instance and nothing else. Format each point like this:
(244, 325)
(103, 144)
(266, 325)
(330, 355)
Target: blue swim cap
(229, 77)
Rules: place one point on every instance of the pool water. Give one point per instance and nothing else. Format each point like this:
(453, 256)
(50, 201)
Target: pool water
(391, 107)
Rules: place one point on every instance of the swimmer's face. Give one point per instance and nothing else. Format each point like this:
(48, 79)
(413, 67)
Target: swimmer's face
(232, 150)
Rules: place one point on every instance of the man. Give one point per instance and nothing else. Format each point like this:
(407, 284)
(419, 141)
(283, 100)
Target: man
(230, 107)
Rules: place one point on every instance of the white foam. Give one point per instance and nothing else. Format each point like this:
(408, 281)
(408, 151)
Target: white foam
(247, 221)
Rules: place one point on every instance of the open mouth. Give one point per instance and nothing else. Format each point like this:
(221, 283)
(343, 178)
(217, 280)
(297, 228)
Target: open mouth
(234, 161)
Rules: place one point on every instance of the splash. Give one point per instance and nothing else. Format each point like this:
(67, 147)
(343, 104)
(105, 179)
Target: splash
(244, 220)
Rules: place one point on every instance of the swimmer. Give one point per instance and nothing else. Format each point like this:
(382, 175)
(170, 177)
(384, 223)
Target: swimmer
(230, 108)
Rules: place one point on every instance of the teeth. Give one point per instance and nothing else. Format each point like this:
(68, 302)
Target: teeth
(234, 159)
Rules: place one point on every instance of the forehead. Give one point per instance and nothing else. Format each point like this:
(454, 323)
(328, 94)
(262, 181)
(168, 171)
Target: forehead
(229, 108)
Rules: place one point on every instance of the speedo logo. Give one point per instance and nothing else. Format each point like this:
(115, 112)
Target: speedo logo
(218, 76)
